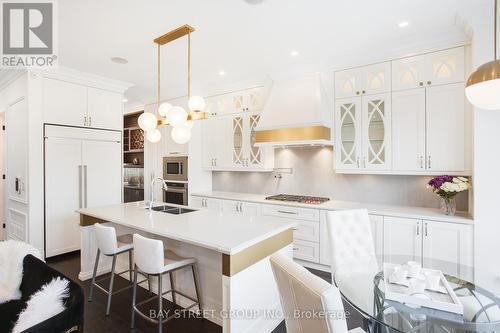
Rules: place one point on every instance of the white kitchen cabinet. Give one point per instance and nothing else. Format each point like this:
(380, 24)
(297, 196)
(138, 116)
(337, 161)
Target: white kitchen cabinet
(408, 130)
(64, 103)
(448, 247)
(363, 133)
(377, 226)
(105, 109)
(366, 80)
(87, 165)
(402, 239)
(72, 104)
(248, 100)
(216, 144)
(304, 250)
(241, 207)
(205, 202)
(436, 68)
(445, 124)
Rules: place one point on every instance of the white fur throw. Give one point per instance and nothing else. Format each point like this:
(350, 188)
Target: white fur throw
(44, 304)
(12, 254)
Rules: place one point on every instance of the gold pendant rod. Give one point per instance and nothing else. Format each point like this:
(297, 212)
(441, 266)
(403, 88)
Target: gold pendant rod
(189, 65)
(495, 27)
(158, 78)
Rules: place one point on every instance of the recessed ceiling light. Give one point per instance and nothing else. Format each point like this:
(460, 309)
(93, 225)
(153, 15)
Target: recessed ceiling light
(119, 60)
(294, 53)
(124, 100)
(222, 73)
(403, 24)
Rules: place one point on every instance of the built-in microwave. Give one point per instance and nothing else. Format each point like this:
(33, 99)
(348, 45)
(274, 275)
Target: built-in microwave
(175, 168)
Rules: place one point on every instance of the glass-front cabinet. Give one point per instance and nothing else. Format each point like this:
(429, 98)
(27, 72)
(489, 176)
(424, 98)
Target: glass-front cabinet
(245, 153)
(362, 133)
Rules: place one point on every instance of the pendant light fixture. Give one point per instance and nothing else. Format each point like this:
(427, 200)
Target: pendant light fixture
(174, 115)
(483, 86)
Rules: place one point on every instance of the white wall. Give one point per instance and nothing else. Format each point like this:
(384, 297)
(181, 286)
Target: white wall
(313, 175)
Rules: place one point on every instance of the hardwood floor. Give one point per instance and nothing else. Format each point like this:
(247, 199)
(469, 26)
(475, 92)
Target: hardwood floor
(119, 320)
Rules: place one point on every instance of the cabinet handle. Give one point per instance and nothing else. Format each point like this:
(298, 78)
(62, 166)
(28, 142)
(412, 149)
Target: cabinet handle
(215, 162)
(287, 212)
(426, 233)
(418, 228)
(429, 161)
(90, 121)
(295, 248)
(421, 84)
(84, 120)
(429, 82)
(85, 186)
(365, 160)
(357, 160)
(357, 92)
(421, 162)
(363, 92)
(80, 187)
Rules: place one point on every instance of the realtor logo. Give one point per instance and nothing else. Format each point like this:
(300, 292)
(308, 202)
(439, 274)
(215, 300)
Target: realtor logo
(28, 34)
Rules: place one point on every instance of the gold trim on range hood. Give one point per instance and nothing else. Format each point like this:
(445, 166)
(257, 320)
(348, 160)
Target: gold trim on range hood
(310, 133)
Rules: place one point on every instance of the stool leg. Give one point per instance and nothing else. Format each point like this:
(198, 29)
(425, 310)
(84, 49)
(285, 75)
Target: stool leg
(149, 285)
(172, 287)
(134, 294)
(111, 282)
(196, 287)
(96, 264)
(160, 304)
(130, 265)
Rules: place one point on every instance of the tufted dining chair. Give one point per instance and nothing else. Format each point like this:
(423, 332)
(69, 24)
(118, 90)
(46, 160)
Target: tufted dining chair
(302, 294)
(350, 237)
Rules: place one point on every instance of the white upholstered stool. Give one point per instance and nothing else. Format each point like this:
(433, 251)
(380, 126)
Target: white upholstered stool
(302, 292)
(110, 245)
(152, 259)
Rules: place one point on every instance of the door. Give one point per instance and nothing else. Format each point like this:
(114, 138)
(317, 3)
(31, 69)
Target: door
(64, 103)
(209, 129)
(347, 83)
(102, 173)
(446, 66)
(254, 99)
(445, 120)
(196, 202)
(16, 120)
(377, 226)
(402, 239)
(348, 133)
(408, 130)
(409, 73)
(255, 155)
(376, 135)
(63, 195)
(376, 79)
(448, 247)
(238, 146)
(214, 204)
(105, 109)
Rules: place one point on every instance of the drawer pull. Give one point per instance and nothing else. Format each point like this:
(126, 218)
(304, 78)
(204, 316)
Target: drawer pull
(295, 229)
(287, 212)
(295, 248)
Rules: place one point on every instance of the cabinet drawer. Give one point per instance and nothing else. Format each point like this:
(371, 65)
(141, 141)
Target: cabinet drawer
(304, 250)
(291, 212)
(307, 230)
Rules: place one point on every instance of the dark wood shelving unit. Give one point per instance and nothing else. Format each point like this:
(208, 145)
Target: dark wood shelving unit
(133, 156)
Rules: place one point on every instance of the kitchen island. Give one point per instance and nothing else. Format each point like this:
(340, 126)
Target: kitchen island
(238, 290)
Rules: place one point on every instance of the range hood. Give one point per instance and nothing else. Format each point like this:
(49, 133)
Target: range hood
(296, 113)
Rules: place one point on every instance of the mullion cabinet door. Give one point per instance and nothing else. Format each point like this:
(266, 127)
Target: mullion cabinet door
(348, 133)
(347, 83)
(375, 79)
(238, 147)
(255, 153)
(376, 133)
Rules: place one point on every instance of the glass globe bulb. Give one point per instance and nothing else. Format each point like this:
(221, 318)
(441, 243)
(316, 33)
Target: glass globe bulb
(147, 121)
(196, 103)
(181, 134)
(484, 95)
(189, 124)
(176, 116)
(153, 136)
(163, 109)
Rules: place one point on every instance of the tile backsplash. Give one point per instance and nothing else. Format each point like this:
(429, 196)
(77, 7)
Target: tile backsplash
(313, 175)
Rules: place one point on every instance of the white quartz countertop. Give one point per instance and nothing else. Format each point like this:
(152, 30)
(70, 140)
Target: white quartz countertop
(226, 232)
(422, 213)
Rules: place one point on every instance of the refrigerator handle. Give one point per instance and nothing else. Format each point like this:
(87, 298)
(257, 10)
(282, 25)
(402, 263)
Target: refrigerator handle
(80, 187)
(85, 186)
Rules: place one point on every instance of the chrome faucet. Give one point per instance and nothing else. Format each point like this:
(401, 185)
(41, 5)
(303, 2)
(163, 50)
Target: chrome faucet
(152, 190)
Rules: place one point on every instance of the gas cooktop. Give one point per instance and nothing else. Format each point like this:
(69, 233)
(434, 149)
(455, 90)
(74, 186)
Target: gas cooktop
(298, 198)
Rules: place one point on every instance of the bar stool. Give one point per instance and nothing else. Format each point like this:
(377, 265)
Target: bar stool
(110, 245)
(152, 259)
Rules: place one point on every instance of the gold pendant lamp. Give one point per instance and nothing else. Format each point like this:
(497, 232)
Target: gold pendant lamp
(175, 116)
(483, 86)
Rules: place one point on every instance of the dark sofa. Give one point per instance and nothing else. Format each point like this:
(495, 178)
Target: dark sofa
(36, 273)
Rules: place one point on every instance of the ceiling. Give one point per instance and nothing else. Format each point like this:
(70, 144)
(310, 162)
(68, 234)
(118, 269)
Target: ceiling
(247, 41)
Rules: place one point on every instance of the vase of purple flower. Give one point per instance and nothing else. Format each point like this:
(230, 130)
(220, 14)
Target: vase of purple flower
(447, 187)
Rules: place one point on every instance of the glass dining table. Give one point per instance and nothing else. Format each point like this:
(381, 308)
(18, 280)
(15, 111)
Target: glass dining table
(361, 284)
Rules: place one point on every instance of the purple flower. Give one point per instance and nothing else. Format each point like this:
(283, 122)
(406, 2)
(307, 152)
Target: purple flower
(436, 182)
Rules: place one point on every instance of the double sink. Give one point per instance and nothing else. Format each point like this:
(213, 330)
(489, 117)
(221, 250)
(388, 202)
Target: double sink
(172, 209)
